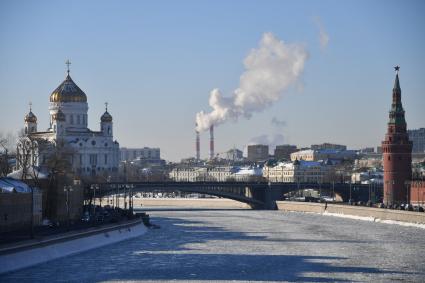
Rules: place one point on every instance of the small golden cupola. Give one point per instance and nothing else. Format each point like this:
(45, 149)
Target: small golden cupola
(30, 122)
(106, 117)
(30, 117)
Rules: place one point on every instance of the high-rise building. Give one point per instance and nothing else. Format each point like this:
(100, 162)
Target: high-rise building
(284, 151)
(417, 137)
(258, 152)
(396, 152)
(129, 154)
(328, 146)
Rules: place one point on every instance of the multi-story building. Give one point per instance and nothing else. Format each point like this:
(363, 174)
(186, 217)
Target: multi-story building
(328, 146)
(417, 137)
(316, 155)
(258, 152)
(129, 154)
(299, 171)
(216, 173)
(284, 151)
(197, 173)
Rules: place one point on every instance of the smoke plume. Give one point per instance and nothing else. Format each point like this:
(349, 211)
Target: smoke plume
(323, 35)
(278, 123)
(269, 70)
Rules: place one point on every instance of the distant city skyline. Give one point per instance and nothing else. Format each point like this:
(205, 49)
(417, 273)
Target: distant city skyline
(156, 64)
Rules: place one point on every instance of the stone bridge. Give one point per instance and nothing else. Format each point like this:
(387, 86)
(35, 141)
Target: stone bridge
(259, 195)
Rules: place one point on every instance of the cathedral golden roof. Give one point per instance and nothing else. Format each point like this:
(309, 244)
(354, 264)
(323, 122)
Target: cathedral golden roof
(68, 91)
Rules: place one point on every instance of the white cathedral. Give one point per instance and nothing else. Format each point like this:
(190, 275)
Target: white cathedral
(89, 153)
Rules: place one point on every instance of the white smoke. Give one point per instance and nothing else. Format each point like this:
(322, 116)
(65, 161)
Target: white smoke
(278, 123)
(269, 70)
(323, 35)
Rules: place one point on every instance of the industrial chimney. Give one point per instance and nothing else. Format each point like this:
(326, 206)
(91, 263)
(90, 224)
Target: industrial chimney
(198, 147)
(212, 142)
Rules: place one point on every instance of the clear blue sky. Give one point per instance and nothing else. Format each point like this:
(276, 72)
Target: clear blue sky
(156, 62)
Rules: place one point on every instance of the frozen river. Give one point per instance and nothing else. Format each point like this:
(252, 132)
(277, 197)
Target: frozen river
(244, 245)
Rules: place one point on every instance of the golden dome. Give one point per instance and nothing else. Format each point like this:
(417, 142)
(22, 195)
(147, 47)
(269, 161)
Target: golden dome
(59, 116)
(106, 117)
(68, 91)
(30, 118)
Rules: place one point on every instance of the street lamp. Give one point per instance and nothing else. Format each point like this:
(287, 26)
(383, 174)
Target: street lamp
(94, 188)
(407, 183)
(67, 189)
(32, 213)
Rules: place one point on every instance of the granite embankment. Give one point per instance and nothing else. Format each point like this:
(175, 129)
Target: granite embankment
(36, 251)
(361, 212)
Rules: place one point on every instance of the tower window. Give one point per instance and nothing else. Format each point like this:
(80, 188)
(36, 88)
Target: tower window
(78, 119)
(106, 159)
(389, 158)
(72, 119)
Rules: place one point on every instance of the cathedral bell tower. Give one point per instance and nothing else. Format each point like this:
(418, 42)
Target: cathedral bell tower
(106, 122)
(396, 152)
(58, 123)
(30, 122)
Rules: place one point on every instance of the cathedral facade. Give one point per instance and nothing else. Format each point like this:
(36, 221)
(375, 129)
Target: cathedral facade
(87, 152)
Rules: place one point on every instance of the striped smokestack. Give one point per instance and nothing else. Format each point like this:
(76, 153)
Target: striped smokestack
(198, 147)
(212, 142)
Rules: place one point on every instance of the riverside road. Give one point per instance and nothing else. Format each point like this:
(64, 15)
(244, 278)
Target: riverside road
(247, 245)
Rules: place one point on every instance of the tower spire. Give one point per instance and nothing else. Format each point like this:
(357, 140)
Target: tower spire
(397, 150)
(30, 104)
(396, 82)
(106, 106)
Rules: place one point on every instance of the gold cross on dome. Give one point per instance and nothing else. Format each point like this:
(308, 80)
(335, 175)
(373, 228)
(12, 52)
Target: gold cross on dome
(67, 64)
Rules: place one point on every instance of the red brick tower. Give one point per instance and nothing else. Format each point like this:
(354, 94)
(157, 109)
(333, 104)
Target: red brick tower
(396, 152)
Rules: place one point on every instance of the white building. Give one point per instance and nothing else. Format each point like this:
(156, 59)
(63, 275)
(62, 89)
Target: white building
(299, 171)
(316, 155)
(250, 173)
(87, 152)
(197, 173)
(128, 154)
(216, 174)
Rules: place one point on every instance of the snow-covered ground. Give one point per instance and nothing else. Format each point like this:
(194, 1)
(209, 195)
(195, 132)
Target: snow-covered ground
(247, 245)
